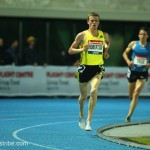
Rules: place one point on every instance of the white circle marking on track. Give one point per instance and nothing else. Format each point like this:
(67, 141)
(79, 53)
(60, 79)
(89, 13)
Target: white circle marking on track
(35, 126)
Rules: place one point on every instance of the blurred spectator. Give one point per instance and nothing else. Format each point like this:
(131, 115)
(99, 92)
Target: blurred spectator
(2, 52)
(69, 60)
(30, 54)
(11, 54)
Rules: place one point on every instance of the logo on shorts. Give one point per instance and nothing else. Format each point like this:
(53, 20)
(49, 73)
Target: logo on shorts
(141, 77)
(81, 68)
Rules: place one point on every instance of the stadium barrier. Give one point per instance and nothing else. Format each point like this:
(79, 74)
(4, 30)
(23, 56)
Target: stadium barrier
(59, 81)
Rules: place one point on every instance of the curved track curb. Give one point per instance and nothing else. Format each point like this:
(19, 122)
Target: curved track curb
(100, 133)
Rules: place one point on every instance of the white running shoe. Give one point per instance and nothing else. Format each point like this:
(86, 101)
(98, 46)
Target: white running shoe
(82, 123)
(88, 127)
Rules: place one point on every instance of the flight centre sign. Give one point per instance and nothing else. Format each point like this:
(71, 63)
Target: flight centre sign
(59, 81)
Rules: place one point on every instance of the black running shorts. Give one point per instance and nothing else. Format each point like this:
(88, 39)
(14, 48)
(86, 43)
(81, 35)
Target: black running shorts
(85, 72)
(132, 76)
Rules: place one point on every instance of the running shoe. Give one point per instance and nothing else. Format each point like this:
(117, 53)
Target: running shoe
(82, 123)
(88, 126)
(128, 119)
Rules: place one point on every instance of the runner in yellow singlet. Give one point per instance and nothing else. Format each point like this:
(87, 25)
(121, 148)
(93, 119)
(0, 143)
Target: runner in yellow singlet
(92, 47)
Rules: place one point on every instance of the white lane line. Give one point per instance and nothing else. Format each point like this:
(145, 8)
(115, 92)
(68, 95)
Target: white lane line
(36, 144)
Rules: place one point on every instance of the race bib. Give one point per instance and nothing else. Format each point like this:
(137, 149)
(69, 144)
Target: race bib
(95, 47)
(140, 60)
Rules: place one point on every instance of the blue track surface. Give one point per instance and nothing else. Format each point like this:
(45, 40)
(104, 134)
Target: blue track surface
(53, 123)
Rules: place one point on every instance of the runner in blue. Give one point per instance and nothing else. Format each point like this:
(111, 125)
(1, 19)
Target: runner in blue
(138, 67)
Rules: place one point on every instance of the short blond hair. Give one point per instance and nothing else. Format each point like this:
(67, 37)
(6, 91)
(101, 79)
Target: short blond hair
(30, 39)
(93, 14)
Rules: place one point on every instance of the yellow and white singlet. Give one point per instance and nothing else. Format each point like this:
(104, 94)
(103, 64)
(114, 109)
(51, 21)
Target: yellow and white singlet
(94, 55)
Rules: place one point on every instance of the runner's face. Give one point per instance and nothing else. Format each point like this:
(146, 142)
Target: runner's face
(93, 22)
(143, 35)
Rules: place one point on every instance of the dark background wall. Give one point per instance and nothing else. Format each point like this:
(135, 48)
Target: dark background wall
(54, 36)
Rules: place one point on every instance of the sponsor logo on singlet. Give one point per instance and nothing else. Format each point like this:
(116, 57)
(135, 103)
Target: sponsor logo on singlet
(95, 47)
